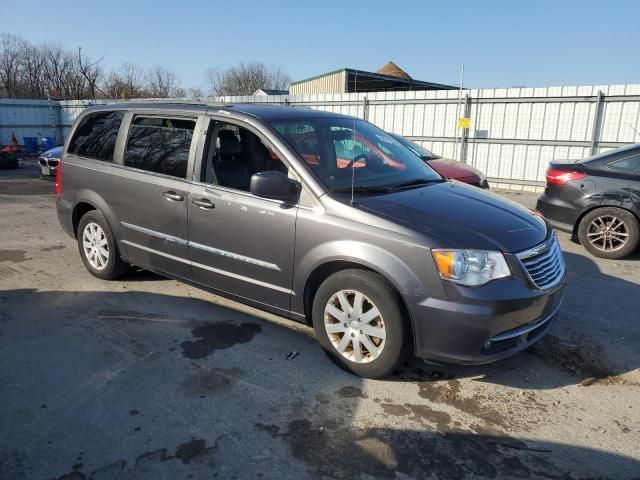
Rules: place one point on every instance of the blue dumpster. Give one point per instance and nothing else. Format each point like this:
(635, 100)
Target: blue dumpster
(48, 143)
(30, 144)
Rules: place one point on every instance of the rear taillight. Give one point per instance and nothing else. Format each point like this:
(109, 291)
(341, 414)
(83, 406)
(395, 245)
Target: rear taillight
(560, 177)
(59, 179)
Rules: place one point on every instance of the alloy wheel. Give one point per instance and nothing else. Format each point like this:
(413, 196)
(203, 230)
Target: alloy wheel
(354, 326)
(608, 233)
(95, 246)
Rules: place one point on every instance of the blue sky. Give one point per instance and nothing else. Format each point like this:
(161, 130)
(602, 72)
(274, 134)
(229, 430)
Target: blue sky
(500, 43)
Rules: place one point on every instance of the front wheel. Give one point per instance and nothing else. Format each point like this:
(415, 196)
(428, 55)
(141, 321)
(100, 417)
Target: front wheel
(359, 322)
(609, 232)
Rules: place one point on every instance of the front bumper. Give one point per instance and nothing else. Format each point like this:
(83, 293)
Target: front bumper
(485, 324)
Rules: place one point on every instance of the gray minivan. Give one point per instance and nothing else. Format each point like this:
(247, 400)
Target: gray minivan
(319, 217)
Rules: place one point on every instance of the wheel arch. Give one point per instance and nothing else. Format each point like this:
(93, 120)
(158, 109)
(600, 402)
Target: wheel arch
(88, 200)
(79, 211)
(328, 268)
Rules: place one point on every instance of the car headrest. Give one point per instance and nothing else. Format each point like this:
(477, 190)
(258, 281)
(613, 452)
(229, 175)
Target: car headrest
(228, 143)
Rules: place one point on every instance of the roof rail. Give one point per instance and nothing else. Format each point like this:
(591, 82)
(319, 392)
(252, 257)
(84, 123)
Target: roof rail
(166, 100)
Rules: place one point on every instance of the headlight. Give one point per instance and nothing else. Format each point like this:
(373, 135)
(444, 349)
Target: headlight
(470, 267)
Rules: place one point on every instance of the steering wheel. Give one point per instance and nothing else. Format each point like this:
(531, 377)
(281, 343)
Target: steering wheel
(357, 158)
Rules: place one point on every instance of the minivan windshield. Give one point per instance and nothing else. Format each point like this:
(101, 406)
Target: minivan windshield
(338, 150)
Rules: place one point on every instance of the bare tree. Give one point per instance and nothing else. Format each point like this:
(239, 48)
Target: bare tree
(161, 82)
(60, 73)
(127, 82)
(10, 46)
(32, 82)
(134, 79)
(28, 71)
(91, 71)
(245, 79)
(178, 92)
(195, 93)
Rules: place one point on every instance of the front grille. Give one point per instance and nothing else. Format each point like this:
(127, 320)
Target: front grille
(53, 162)
(544, 263)
(43, 161)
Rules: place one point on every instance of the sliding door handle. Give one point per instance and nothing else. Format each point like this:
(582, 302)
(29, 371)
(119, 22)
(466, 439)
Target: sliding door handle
(171, 195)
(203, 203)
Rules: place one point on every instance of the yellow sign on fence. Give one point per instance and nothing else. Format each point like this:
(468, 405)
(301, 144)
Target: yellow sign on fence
(464, 122)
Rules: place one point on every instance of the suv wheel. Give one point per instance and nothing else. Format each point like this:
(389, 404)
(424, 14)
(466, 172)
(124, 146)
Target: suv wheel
(358, 321)
(98, 247)
(609, 232)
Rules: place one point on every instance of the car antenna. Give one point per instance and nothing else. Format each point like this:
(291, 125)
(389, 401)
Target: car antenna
(353, 146)
(633, 128)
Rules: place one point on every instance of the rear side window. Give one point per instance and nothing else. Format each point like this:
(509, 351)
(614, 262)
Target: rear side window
(160, 145)
(96, 135)
(628, 164)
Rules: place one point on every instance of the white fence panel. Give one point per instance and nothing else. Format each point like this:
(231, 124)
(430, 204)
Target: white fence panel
(514, 132)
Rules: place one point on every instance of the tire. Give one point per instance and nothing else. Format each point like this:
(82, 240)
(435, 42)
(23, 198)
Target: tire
(609, 232)
(388, 353)
(111, 268)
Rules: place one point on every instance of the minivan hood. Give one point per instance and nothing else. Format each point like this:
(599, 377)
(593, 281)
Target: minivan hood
(464, 216)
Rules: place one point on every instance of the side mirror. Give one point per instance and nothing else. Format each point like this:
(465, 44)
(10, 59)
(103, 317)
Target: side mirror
(275, 185)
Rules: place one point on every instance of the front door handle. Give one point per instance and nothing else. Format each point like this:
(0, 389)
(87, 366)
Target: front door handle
(171, 195)
(204, 203)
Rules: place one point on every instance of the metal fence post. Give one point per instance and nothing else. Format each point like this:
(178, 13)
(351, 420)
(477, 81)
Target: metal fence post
(597, 123)
(55, 120)
(59, 129)
(465, 131)
(365, 108)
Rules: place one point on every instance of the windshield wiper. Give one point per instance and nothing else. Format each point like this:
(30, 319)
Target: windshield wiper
(363, 189)
(416, 183)
(387, 188)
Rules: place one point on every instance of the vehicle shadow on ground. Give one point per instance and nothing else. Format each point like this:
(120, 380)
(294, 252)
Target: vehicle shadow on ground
(141, 275)
(133, 385)
(594, 340)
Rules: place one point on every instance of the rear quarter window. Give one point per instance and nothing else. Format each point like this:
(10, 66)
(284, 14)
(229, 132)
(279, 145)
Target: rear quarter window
(627, 164)
(95, 137)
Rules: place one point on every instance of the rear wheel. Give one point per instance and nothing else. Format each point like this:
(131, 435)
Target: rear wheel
(98, 247)
(609, 232)
(359, 322)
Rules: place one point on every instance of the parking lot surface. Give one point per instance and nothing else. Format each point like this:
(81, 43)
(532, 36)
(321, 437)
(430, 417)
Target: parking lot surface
(150, 378)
